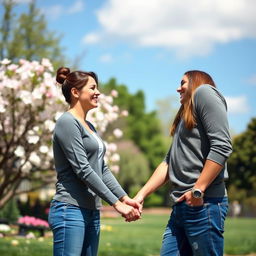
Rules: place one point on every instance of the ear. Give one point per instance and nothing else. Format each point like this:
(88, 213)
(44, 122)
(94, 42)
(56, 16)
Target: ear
(75, 92)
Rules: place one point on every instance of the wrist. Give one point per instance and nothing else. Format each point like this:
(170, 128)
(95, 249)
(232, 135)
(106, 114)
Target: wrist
(140, 196)
(197, 192)
(123, 198)
(118, 202)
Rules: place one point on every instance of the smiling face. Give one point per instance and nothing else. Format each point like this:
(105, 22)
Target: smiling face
(183, 90)
(88, 95)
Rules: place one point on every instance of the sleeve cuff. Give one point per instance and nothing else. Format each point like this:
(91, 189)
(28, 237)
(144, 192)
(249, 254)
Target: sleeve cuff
(216, 157)
(119, 193)
(111, 199)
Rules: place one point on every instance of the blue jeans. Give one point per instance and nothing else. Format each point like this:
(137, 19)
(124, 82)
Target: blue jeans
(76, 230)
(196, 230)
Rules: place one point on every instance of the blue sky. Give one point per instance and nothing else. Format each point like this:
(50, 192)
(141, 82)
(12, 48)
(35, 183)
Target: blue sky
(149, 44)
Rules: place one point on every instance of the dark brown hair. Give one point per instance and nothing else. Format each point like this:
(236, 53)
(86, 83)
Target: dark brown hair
(75, 79)
(196, 78)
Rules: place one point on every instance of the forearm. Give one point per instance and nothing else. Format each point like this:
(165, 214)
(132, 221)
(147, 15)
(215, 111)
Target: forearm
(209, 173)
(111, 182)
(158, 178)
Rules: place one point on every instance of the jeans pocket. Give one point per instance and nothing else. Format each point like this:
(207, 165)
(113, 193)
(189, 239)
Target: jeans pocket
(194, 207)
(56, 209)
(52, 211)
(223, 210)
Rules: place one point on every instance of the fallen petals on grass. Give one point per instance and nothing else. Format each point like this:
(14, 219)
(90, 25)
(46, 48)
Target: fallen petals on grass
(15, 242)
(106, 228)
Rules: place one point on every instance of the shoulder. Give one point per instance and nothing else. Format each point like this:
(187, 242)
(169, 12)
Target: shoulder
(66, 121)
(205, 89)
(207, 94)
(66, 117)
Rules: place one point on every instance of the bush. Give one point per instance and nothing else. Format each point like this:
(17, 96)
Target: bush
(10, 212)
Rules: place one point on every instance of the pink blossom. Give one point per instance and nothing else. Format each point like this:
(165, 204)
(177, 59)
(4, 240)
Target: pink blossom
(114, 93)
(118, 133)
(12, 67)
(112, 147)
(115, 157)
(5, 62)
(115, 108)
(32, 221)
(115, 168)
(124, 113)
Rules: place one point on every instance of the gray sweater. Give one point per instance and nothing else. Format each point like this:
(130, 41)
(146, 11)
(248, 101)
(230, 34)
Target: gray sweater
(82, 175)
(209, 139)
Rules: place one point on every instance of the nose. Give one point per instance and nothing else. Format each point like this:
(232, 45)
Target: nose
(97, 91)
(179, 89)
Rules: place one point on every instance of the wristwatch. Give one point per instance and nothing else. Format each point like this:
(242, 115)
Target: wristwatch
(197, 193)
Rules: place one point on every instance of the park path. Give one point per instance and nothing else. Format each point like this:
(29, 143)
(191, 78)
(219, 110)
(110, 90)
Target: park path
(108, 211)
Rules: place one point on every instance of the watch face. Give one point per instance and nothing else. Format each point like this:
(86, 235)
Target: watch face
(197, 193)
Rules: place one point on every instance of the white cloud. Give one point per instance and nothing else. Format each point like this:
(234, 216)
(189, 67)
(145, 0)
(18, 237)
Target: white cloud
(188, 27)
(237, 105)
(106, 58)
(91, 38)
(77, 7)
(55, 11)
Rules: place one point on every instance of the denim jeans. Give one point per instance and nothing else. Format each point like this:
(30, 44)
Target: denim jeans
(196, 230)
(75, 230)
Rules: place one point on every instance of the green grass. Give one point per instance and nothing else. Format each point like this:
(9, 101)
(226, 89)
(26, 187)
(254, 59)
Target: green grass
(136, 238)
(142, 238)
(240, 236)
(25, 247)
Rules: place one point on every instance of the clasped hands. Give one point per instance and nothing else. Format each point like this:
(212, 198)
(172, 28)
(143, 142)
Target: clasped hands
(129, 208)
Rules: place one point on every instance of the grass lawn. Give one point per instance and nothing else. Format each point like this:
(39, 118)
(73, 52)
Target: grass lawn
(142, 238)
(240, 236)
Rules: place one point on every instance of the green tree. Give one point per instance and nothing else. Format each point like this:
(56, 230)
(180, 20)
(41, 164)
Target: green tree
(242, 162)
(143, 128)
(134, 170)
(241, 167)
(27, 36)
(166, 111)
(5, 28)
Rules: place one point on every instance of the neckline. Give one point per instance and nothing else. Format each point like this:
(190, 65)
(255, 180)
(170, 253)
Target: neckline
(91, 132)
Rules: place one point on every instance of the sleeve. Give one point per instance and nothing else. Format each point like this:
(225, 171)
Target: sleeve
(211, 110)
(167, 157)
(69, 138)
(111, 182)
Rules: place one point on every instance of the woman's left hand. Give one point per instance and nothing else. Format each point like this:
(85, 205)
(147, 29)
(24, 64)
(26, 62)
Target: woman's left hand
(131, 202)
(190, 200)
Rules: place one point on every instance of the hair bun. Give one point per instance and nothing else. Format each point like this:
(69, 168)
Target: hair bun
(62, 74)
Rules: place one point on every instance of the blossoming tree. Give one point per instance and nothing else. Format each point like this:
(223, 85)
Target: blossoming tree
(30, 104)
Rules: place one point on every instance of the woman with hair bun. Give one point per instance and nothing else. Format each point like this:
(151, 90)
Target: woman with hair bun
(196, 167)
(83, 178)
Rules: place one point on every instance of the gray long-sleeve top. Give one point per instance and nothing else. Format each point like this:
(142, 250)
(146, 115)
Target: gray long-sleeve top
(83, 178)
(209, 139)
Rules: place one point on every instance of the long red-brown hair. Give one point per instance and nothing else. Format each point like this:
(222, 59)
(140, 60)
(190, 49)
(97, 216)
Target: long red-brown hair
(196, 78)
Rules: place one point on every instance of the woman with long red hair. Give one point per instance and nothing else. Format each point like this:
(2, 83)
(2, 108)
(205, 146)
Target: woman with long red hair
(196, 167)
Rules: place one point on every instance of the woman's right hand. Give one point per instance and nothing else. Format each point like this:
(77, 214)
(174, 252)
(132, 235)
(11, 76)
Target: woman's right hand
(127, 211)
